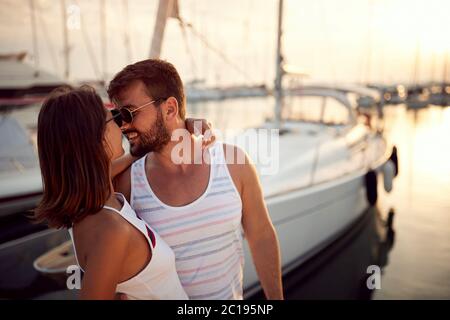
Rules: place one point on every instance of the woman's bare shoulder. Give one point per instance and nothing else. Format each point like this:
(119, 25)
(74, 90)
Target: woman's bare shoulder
(106, 225)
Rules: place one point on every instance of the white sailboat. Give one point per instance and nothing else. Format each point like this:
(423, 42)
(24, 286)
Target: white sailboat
(329, 161)
(418, 95)
(20, 176)
(22, 89)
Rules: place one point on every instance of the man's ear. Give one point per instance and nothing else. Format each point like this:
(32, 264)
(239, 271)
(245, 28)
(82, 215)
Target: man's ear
(170, 109)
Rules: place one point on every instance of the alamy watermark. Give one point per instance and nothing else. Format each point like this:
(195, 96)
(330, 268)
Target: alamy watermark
(259, 146)
(73, 281)
(73, 14)
(374, 280)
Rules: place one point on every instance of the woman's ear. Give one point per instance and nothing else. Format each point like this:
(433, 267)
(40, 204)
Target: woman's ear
(170, 109)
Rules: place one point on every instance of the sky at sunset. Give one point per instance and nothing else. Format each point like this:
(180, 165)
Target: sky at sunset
(234, 40)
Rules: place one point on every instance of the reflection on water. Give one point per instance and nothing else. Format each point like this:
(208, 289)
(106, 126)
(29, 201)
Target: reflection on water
(340, 272)
(416, 265)
(420, 261)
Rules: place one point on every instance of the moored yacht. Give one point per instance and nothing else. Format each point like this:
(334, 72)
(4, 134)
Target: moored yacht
(332, 155)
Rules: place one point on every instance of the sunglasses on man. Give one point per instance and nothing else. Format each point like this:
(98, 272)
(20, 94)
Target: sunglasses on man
(124, 114)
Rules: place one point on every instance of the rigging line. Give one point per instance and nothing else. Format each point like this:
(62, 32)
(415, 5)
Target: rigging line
(246, 40)
(369, 42)
(34, 38)
(47, 39)
(445, 68)
(88, 44)
(329, 40)
(66, 48)
(416, 63)
(103, 42)
(188, 49)
(433, 65)
(126, 35)
(217, 51)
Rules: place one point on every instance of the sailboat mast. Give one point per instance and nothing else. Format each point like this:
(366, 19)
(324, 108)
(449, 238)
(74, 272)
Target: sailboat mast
(445, 69)
(126, 34)
(35, 40)
(416, 64)
(103, 39)
(164, 10)
(433, 65)
(279, 68)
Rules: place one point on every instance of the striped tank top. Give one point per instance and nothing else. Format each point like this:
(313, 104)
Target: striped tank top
(159, 279)
(205, 235)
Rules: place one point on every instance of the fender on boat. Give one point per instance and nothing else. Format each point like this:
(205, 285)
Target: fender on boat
(394, 158)
(388, 175)
(371, 187)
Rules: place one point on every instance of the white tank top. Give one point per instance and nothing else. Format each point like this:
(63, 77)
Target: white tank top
(159, 279)
(205, 235)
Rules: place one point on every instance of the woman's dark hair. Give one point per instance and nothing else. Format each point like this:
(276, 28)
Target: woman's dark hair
(72, 156)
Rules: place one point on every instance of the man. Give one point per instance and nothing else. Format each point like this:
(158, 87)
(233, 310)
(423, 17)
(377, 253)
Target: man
(197, 207)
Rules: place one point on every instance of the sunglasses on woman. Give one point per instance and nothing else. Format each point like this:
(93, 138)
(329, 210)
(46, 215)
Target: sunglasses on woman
(124, 114)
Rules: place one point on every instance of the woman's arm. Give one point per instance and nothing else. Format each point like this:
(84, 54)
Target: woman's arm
(105, 260)
(120, 164)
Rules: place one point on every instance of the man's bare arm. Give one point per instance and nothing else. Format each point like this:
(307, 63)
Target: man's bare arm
(258, 228)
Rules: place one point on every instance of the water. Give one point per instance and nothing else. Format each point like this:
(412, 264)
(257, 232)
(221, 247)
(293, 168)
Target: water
(340, 271)
(413, 252)
(419, 264)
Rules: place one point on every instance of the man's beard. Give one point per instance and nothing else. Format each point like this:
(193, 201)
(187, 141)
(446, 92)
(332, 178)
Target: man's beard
(153, 140)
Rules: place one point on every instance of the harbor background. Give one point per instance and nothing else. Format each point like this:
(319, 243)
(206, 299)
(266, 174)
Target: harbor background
(333, 41)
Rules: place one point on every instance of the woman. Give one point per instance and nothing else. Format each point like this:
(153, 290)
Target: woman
(116, 250)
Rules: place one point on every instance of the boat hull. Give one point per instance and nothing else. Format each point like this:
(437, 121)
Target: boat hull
(417, 104)
(18, 204)
(309, 219)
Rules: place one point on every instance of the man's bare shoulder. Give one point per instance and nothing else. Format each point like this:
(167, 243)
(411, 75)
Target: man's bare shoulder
(235, 155)
(238, 163)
